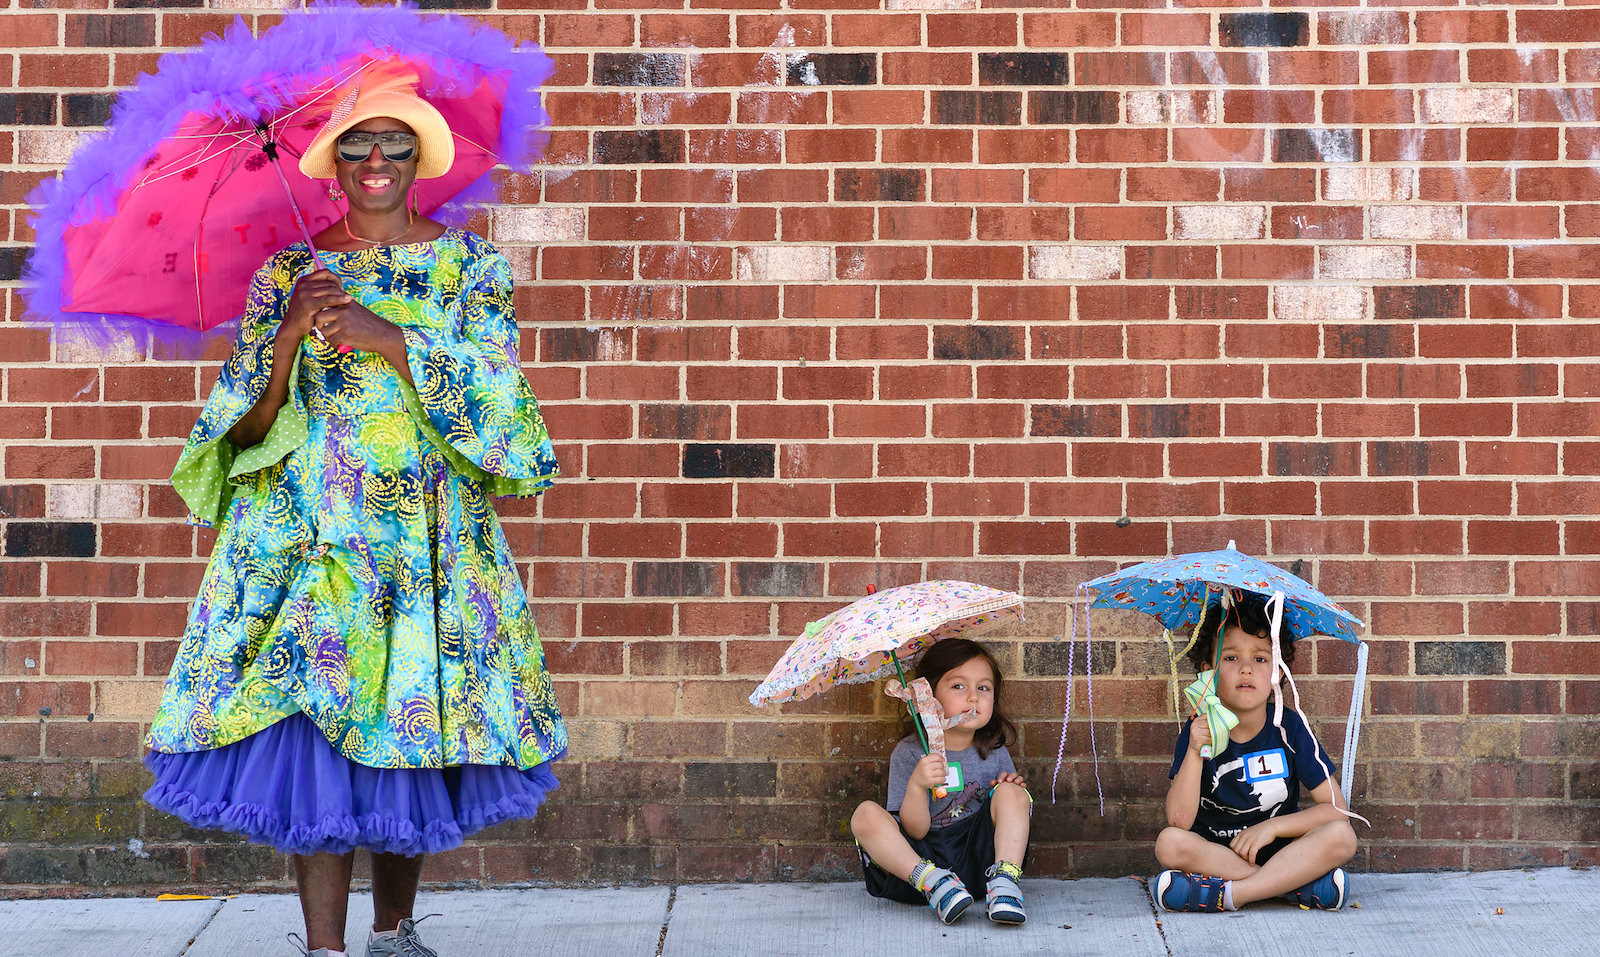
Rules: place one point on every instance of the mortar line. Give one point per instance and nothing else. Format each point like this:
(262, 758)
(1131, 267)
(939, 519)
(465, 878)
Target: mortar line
(220, 905)
(661, 942)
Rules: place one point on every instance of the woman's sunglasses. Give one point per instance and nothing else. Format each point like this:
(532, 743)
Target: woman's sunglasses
(396, 147)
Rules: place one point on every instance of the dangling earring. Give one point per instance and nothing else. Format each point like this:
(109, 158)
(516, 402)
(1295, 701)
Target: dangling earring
(416, 203)
(334, 192)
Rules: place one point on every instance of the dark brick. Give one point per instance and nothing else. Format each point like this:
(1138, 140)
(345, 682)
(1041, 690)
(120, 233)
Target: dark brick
(878, 186)
(1173, 421)
(28, 109)
(777, 579)
(1264, 29)
(979, 342)
(113, 30)
(1420, 302)
(1077, 421)
(729, 779)
(977, 107)
(237, 864)
(1042, 659)
(86, 109)
(638, 69)
(677, 578)
(1368, 342)
(42, 865)
(21, 501)
(54, 539)
(1461, 657)
(1413, 458)
(729, 461)
(685, 421)
(1071, 107)
(1316, 146)
(1024, 69)
(569, 345)
(1314, 458)
(624, 863)
(454, 4)
(157, 4)
(639, 146)
(832, 69)
(11, 260)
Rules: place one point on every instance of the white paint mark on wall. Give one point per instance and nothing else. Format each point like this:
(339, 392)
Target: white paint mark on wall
(528, 224)
(783, 263)
(1220, 222)
(1075, 262)
(1364, 262)
(1317, 303)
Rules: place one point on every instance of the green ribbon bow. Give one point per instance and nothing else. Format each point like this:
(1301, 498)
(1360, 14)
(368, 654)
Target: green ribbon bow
(1203, 698)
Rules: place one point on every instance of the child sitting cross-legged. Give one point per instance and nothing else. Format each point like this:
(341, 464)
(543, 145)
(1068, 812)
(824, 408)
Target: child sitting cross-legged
(1236, 833)
(922, 847)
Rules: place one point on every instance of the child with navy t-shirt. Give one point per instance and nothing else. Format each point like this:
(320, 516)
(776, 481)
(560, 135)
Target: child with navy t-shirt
(1236, 832)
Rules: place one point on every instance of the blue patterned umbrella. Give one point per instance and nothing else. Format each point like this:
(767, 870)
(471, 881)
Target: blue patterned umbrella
(1177, 590)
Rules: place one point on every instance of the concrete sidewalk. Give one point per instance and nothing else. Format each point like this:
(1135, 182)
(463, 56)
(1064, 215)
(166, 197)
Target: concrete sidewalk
(1549, 913)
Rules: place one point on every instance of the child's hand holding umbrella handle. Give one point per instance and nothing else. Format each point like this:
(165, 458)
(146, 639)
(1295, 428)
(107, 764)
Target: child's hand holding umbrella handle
(930, 773)
(1200, 736)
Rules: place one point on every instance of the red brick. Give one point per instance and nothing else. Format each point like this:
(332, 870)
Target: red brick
(925, 539)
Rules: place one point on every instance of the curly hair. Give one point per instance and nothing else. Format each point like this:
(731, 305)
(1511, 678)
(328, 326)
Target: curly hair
(1249, 613)
(952, 653)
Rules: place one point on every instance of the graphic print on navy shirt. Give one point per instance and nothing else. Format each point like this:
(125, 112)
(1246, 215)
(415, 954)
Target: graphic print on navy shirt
(1253, 780)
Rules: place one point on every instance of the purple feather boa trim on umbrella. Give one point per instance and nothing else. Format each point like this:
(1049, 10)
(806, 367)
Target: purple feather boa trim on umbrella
(287, 787)
(214, 78)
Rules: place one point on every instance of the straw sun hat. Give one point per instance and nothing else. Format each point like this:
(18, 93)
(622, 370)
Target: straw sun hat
(390, 92)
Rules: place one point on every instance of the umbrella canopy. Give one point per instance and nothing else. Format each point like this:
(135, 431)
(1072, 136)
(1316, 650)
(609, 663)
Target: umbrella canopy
(861, 641)
(1177, 591)
(158, 224)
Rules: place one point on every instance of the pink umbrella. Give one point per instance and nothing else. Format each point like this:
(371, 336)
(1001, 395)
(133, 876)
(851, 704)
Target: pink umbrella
(159, 224)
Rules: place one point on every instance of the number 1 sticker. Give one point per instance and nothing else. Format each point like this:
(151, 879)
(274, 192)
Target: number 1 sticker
(1266, 765)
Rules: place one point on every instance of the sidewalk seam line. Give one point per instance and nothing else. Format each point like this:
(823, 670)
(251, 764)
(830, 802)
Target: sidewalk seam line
(1155, 912)
(202, 930)
(661, 942)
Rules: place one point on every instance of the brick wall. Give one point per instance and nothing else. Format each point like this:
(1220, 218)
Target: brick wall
(826, 293)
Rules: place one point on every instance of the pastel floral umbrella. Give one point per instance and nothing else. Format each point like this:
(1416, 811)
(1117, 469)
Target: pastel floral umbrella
(865, 640)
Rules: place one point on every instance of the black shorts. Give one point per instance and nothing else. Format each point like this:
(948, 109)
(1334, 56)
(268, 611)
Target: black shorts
(966, 847)
(1262, 856)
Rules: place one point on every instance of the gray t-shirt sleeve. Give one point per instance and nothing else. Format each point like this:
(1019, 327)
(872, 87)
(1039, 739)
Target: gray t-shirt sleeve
(902, 761)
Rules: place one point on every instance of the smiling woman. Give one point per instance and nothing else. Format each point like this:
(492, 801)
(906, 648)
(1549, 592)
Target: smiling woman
(361, 668)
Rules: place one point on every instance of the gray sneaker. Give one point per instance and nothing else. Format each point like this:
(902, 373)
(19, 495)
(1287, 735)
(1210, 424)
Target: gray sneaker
(406, 943)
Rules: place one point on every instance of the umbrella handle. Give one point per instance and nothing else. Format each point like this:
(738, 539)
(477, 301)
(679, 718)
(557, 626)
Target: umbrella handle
(270, 147)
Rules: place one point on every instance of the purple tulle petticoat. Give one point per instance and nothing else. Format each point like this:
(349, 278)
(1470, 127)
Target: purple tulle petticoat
(286, 786)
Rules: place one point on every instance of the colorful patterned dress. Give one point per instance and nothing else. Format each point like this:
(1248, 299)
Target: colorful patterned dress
(361, 667)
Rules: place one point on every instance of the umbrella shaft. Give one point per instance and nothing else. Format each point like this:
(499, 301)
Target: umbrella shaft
(916, 720)
(299, 220)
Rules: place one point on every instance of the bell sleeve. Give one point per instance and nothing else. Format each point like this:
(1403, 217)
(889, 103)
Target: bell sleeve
(470, 398)
(210, 461)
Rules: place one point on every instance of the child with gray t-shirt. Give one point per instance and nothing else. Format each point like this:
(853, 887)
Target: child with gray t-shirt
(917, 847)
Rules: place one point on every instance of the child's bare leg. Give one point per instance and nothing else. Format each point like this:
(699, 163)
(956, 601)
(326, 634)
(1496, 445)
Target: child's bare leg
(1187, 851)
(1307, 858)
(1009, 808)
(878, 833)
